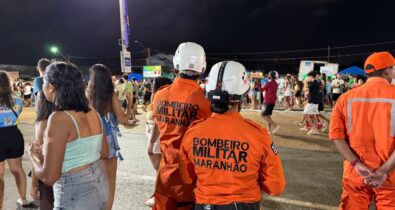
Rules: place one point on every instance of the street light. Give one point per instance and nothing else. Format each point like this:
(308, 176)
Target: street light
(148, 51)
(55, 50)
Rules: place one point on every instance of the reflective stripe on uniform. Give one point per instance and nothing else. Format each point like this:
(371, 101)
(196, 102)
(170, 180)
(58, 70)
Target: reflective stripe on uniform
(372, 100)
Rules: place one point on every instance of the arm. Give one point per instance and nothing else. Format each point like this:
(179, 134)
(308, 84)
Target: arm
(116, 108)
(155, 135)
(48, 168)
(265, 87)
(337, 133)
(104, 147)
(271, 174)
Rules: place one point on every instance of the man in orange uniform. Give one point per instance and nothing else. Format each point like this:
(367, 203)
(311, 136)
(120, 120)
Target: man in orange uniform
(363, 130)
(175, 107)
(231, 159)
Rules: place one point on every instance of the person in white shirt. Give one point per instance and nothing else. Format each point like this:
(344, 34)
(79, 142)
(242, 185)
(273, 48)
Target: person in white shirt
(27, 94)
(337, 88)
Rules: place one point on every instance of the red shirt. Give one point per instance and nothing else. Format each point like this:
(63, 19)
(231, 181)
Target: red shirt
(270, 92)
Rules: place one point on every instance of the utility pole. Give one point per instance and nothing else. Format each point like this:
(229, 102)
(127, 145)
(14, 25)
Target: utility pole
(126, 61)
(149, 56)
(329, 53)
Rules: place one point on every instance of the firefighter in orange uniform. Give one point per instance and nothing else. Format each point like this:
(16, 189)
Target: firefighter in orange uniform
(363, 130)
(175, 107)
(230, 159)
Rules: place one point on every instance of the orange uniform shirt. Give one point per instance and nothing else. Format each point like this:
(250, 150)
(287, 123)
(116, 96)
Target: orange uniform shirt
(365, 117)
(231, 159)
(175, 108)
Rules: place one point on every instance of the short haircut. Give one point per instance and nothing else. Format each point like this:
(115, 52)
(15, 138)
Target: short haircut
(379, 73)
(43, 63)
(125, 77)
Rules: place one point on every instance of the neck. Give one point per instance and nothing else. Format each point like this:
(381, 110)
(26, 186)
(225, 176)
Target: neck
(234, 108)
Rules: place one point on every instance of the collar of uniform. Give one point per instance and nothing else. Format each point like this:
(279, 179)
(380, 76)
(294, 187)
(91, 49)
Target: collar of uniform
(186, 81)
(377, 80)
(226, 114)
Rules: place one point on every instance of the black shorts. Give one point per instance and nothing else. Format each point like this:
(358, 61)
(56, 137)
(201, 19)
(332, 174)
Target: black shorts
(12, 143)
(147, 98)
(27, 96)
(268, 110)
(298, 93)
(320, 106)
(335, 96)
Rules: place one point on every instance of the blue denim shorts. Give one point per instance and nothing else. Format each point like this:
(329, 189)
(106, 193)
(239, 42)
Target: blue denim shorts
(83, 190)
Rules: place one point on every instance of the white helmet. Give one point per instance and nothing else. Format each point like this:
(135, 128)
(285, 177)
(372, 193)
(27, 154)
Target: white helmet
(190, 56)
(234, 81)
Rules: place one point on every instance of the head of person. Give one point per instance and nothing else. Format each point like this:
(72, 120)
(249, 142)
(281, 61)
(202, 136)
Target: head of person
(323, 76)
(350, 76)
(134, 79)
(227, 85)
(42, 65)
(5, 89)
(63, 86)
(46, 109)
(190, 61)
(381, 64)
(338, 76)
(289, 76)
(121, 81)
(272, 75)
(160, 82)
(311, 76)
(317, 75)
(100, 88)
(125, 77)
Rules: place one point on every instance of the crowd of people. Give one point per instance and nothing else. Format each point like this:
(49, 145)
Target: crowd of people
(200, 165)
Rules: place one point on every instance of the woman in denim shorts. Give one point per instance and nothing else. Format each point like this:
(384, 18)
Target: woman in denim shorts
(74, 143)
(101, 96)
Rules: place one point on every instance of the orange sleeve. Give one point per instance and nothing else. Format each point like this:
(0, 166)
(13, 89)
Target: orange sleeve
(271, 173)
(337, 127)
(186, 167)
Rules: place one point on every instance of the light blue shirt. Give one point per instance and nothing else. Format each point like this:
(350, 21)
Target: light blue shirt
(7, 116)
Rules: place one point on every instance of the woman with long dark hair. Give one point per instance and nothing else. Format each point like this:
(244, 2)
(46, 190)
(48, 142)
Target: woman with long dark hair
(101, 96)
(74, 141)
(39, 190)
(11, 141)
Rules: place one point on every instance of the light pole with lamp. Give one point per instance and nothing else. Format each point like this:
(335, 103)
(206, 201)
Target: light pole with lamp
(148, 51)
(55, 50)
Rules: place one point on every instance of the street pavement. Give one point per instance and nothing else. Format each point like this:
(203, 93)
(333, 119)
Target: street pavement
(312, 167)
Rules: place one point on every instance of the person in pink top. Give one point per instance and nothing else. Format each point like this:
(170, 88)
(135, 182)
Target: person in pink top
(270, 90)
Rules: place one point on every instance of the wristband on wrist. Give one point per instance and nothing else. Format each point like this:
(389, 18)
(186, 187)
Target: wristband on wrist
(353, 163)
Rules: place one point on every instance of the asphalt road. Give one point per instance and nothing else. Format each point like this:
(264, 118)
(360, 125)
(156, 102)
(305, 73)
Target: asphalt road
(313, 169)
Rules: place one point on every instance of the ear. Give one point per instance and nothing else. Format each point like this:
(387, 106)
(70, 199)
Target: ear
(51, 88)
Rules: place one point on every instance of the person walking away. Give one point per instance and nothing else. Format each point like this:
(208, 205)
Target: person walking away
(103, 99)
(27, 94)
(270, 90)
(288, 87)
(222, 180)
(74, 142)
(135, 95)
(175, 108)
(154, 153)
(252, 93)
(147, 93)
(39, 190)
(128, 93)
(337, 87)
(311, 109)
(363, 132)
(12, 142)
(328, 87)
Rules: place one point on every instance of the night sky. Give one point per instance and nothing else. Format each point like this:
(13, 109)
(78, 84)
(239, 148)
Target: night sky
(90, 28)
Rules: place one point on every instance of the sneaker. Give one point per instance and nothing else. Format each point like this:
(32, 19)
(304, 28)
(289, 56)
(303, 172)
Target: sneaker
(150, 202)
(22, 203)
(298, 123)
(304, 129)
(313, 133)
